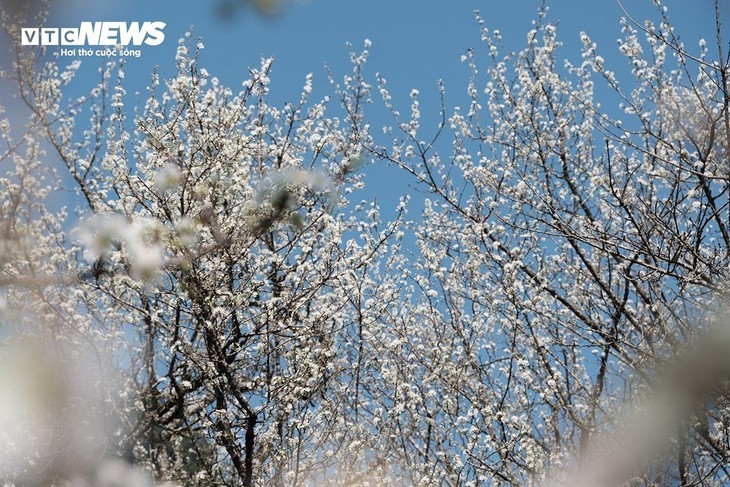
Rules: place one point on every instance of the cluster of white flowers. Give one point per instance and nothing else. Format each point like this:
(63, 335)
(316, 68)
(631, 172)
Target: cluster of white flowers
(256, 324)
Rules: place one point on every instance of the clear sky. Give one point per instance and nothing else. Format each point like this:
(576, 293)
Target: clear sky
(415, 42)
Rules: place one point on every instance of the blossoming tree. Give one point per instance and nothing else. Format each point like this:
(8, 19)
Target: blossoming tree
(238, 317)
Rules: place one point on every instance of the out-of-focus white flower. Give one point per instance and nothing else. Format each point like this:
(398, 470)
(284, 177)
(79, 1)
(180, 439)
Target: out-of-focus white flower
(52, 423)
(186, 232)
(117, 473)
(51, 419)
(140, 240)
(100, 233)
(24, 384)
(168, 178)
(145, 251)
(281, 185)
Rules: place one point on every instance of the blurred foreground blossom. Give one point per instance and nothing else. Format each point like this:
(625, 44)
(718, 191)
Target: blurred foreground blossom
(644, 433)
(281, 192)
(100, 233)
(115, 473)
(139, 240)
(167, 178)
(52, 422)
(281, 186)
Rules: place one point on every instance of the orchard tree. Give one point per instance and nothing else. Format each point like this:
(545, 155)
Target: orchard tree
(217, 258)
(569, 246)
(202, 264)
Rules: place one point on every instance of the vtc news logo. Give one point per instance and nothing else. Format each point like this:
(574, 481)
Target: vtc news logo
(96, 34)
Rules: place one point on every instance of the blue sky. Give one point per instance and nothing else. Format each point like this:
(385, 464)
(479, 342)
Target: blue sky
(415, 42)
